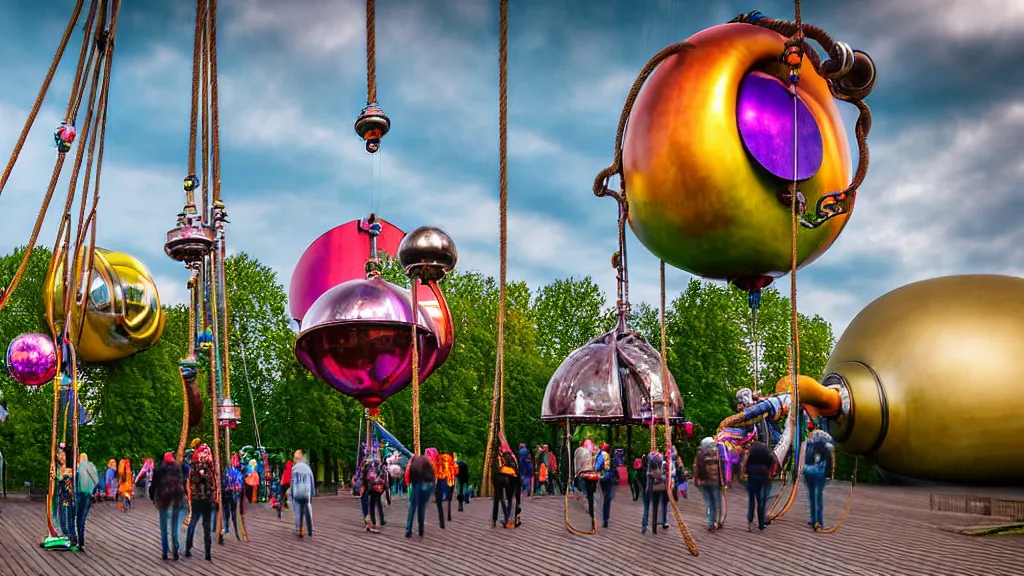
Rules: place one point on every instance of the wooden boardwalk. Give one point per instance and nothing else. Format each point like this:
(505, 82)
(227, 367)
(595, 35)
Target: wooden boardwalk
(890, 531)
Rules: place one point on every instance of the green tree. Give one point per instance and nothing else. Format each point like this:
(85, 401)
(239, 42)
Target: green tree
(568, 314)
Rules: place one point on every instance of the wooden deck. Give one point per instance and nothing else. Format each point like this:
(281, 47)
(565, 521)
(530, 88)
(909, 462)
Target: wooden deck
(890, 531)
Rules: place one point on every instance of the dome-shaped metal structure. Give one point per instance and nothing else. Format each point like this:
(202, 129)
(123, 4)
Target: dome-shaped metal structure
(615, 378)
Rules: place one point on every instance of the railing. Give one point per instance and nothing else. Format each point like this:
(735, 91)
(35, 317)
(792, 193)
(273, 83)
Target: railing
(1011, 508)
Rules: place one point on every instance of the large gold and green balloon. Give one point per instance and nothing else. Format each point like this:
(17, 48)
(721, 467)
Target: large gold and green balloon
(709, 151)
(118, 312)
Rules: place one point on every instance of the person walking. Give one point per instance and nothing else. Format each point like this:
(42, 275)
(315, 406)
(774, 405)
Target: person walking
(419, 477)
(303, 489)
(707, 476)
(759, 463)
(609, 478)
(166, 491)
(231, 494)
(286, 483)
(88, 478)
(205, 491)
(819, 465)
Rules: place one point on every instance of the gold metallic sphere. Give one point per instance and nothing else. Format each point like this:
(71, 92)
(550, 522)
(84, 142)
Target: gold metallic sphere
(931, 381)
(117, 314)
(428, 253)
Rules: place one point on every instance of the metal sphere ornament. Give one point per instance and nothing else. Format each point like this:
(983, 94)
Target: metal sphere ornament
(120, 313)
(717, 136)
(357, 337)
(428, 253)
(32, 359)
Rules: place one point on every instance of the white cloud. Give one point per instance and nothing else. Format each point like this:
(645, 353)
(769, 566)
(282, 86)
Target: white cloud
(447, 78)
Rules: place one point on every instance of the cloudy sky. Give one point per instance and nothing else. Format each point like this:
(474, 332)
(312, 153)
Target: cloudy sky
(942, 196)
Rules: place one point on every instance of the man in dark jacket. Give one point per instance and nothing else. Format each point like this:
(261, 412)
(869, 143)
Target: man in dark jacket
(167, 491)
(707, 474)
(759, 463)
(463, 478)
(419, 476)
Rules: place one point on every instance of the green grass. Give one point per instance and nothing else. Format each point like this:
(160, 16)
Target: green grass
(1016, 529)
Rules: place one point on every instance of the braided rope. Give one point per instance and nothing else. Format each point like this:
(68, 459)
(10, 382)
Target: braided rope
(371, 52)
(498, 397)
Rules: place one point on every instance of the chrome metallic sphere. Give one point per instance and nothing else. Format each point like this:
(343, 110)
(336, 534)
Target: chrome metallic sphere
(427, 253)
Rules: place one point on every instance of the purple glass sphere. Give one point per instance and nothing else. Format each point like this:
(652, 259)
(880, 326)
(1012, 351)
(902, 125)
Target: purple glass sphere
(765, 116)
(32, 359)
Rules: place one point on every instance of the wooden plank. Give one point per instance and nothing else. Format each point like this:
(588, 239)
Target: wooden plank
(889, 530)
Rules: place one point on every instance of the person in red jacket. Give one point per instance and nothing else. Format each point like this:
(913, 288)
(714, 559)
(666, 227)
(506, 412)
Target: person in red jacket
(286, 482)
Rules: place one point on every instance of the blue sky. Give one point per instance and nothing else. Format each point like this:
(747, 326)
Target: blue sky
(942, 196)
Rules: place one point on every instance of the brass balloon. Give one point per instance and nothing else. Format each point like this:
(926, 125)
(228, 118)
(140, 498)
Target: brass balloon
(121, 308)
(931, 381)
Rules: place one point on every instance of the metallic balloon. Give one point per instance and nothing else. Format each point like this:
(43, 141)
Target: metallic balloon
(929, 380)
(121, 308)
(357, 337)
(611, 379)
(428, 253)
(709, 151)
(337, 256)
(32, 359)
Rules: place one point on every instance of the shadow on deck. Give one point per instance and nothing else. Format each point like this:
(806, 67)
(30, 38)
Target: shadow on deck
(889, 531)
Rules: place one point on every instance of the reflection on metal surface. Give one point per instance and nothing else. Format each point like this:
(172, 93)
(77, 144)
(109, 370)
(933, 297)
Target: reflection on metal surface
(934, 374)
(610, 379)
(337, 256)
(357, 337)
(121, 308)
(428, 252)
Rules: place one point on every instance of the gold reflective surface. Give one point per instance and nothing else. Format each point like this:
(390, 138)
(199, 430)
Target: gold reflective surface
(117, 313)
(949, 354)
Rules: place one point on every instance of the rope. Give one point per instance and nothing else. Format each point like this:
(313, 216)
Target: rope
(197, 63)
(498, 397)
(601, 182)
(794, 365)
(214, 109)
(371, 53)
(85, 55)
(214, 397)
(204, 120)
(691, 545)
(43, 89)
(415, 363)
(849, 500)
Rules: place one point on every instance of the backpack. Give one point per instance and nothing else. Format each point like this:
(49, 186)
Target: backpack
(202, 480)
(171, 485)
(656, 472)
(375, 477)
(815, 459)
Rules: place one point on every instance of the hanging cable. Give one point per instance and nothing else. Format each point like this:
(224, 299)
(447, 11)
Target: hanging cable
(691, 545)
(498, 396)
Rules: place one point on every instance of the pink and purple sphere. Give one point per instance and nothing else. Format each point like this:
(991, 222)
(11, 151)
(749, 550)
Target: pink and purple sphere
(32, 359)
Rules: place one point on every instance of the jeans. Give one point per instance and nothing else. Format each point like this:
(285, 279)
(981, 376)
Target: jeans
(442, 493)
(590, 486)
(419, 495)
(83, 500)
(608, 488)
(375, 506)
(364, 503)
(231, 513)
(508, 495)
(303, 511)
(712, 502)
(816, 496)
(757, 497)
(646, 495)
(463, 494)
(284, 498)
(169, 524)
(201, 510)
(528, 485)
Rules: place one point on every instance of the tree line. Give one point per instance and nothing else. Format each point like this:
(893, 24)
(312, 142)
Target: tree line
(136, 403)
